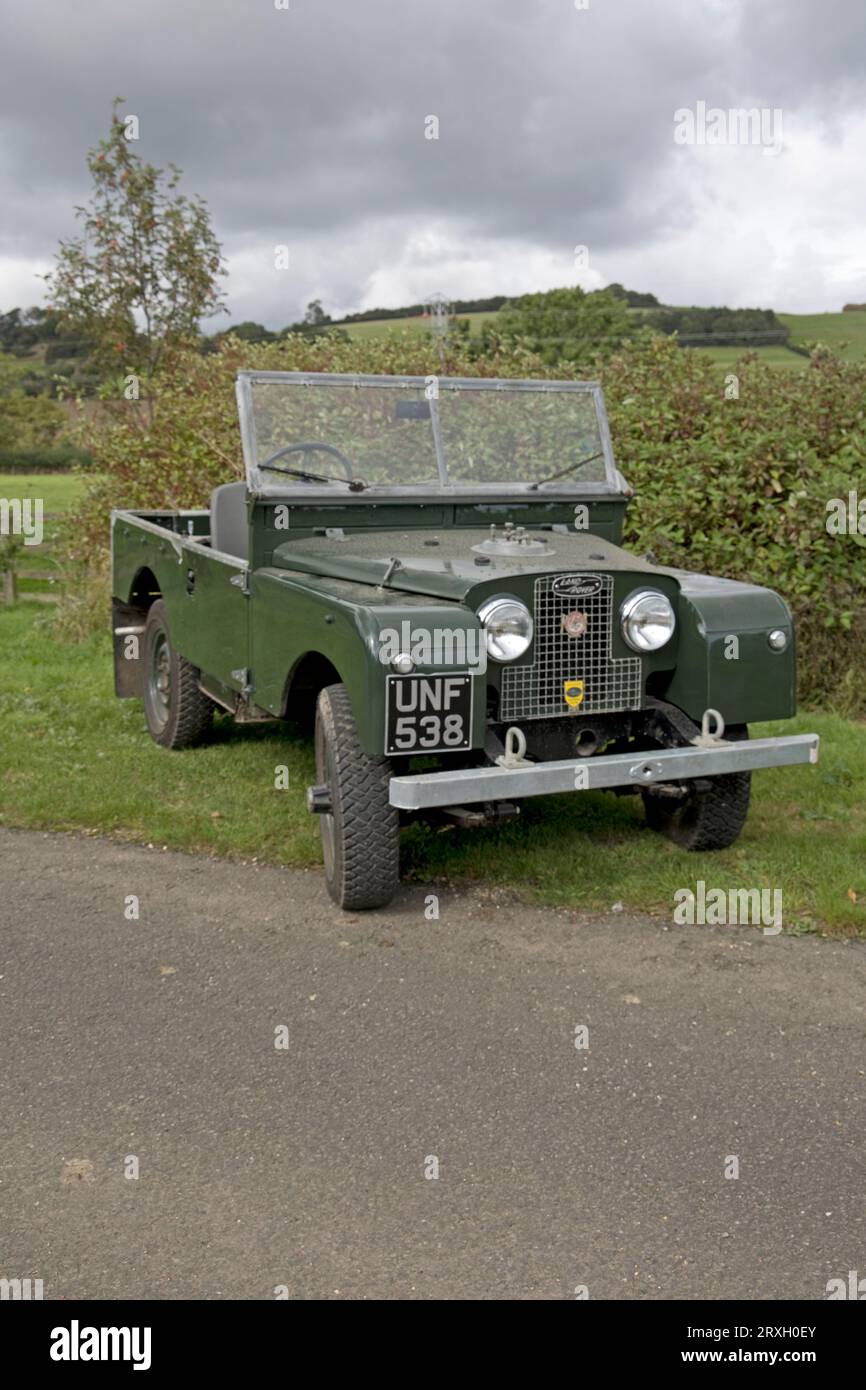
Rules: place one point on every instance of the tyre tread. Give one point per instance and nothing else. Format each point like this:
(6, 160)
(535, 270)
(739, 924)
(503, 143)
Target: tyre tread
(367, 869)
(721, 811)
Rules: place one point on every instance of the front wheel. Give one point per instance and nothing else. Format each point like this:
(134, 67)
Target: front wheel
(707, 816)
(360, 828)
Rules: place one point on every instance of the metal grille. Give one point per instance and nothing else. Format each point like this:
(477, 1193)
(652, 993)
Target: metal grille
(610, 683)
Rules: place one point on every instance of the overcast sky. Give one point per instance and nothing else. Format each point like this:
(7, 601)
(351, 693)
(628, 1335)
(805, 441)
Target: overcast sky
(305, 127)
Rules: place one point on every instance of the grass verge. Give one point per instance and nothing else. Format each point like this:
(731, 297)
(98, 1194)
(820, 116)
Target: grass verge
(75, 758)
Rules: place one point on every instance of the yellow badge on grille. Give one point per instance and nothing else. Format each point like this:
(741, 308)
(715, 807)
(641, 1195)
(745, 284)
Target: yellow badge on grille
(574, 692)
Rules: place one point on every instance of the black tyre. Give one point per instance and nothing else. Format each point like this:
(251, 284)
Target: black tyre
(177, 713)
(361, 836)
(706, 817)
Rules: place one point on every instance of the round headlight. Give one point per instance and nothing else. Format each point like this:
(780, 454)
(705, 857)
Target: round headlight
(647, 620)
(777, 639)
(403, 663)
(507, 625)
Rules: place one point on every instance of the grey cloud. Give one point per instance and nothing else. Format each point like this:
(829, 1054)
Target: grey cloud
(307, 125)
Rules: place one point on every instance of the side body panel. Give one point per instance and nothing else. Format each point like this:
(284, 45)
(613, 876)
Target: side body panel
(210, 623)
(204, 592)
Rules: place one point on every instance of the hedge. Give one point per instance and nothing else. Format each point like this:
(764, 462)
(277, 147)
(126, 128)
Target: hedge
(729, 486)
(59, 458)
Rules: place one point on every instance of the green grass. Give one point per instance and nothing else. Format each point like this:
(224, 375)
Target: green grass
(58, 491)
(833, 330)
(726, 358)
(382, 328)
(73, 757)
(844, 333)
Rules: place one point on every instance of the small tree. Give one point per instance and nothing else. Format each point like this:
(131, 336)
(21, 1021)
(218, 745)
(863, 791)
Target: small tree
(26, 421)
(566, 325)
(315, 315)
(146, 270)
(316, 324)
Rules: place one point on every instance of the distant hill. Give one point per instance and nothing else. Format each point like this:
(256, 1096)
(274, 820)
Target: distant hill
(780, 339)
(695, 325)
(409, 311)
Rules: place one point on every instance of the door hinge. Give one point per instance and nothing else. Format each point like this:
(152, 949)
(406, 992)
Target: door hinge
(242, 581)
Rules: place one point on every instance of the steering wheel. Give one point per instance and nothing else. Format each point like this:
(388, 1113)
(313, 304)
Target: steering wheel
(312, 446)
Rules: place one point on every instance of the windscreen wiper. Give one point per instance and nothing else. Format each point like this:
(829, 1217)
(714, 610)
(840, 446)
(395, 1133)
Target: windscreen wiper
(353, 484)
(570, 469)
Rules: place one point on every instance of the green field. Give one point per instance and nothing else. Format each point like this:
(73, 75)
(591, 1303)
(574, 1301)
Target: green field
(845, 333)
(726, 358)
(58, 492)
(382, 328)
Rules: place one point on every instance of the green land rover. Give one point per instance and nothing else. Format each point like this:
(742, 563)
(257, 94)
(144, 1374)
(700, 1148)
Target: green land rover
(431, 568)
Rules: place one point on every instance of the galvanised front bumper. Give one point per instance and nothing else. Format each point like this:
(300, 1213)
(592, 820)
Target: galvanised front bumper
(463, 786)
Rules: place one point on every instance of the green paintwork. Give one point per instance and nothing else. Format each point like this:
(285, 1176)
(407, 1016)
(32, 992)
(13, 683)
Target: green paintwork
(442, 564)
(325, 596)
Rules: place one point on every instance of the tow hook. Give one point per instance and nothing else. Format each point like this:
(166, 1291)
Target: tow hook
(515, 750)
(319, 801)
(712, 730)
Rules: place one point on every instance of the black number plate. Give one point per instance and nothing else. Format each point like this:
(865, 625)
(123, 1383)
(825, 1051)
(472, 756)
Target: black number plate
(428, 714)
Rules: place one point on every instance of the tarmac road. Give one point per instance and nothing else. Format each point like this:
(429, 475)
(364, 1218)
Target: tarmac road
(411, 1040)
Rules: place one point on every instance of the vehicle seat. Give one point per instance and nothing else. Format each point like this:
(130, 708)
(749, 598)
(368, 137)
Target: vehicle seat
(229, 528)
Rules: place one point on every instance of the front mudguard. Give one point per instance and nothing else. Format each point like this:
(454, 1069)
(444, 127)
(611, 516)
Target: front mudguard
(724, 660)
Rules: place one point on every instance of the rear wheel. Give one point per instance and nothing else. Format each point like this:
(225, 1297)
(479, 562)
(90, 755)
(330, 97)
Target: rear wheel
(707, 816)
(177, 713)
(361, 830)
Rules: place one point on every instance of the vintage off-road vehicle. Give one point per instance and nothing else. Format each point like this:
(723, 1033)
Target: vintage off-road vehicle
(433, 566)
